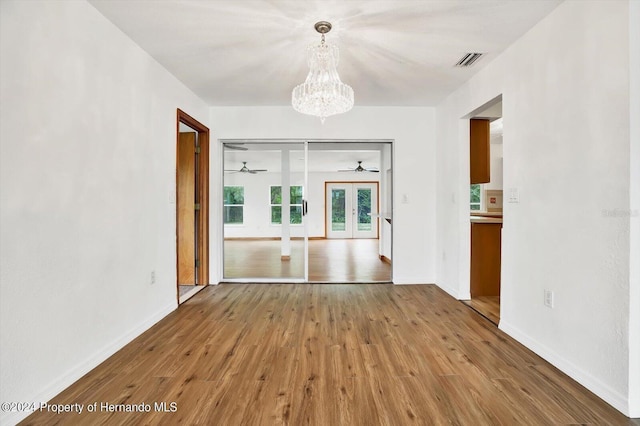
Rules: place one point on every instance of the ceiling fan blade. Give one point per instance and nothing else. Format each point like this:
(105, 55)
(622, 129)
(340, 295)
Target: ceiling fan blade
(372, 170)
(259, 170)
(347, 170)
(236, 147)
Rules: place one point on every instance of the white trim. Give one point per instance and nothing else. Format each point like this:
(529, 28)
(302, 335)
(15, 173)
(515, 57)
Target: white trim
(455, 293)
(634, 226)
(188, 295)
(92, 362)
(412, 281)
(602, 390)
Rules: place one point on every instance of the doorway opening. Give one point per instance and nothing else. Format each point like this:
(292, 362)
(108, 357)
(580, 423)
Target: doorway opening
(275, 211)
(486, 212)
(192, 206)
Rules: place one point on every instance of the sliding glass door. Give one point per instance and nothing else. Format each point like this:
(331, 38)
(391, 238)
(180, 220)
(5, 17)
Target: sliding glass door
(264, 211)
(271, 236)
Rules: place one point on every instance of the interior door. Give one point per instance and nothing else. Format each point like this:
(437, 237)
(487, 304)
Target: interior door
(186, 201)
(352, 209)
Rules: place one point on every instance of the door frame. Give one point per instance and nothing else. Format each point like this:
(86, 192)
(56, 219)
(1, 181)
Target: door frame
(351, 182)
(389, 197)
(203, 196)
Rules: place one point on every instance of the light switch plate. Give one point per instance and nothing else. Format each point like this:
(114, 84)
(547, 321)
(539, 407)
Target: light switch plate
(513, 195)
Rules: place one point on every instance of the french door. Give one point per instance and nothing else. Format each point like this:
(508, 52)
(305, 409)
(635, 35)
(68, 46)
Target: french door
(352, 209)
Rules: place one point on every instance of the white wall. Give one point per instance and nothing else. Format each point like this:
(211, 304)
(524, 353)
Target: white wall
(87, 167)
(496, 167)
(634, 190)
(565, 92)
(411, 128)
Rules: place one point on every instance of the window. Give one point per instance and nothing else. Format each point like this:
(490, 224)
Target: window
(295, 202)
(233, 205)
(476, 197)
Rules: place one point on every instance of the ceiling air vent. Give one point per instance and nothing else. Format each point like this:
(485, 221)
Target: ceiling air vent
(468, 59)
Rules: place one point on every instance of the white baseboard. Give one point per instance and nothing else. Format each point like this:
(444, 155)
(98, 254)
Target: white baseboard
(453, 292)
(602, 390)
(412, 280)
(70, 377)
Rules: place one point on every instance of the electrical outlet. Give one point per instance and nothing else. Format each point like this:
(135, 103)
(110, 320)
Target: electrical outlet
(153, 277)
(548, 298)
(513, 195)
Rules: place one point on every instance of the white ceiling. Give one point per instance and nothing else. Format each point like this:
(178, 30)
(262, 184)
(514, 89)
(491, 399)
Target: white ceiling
(252, 52)
(322, 157)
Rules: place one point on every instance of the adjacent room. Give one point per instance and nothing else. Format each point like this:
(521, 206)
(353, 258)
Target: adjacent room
(320, 212)
(339, 190)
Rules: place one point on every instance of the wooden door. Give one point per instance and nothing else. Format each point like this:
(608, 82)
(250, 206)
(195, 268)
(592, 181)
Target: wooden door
(186, 192)
(479, 151)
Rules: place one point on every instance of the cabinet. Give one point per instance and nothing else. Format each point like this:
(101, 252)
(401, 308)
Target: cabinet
(485, 257)
(479, 150)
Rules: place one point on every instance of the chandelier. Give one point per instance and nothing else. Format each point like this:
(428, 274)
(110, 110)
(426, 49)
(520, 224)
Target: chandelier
(322, 94)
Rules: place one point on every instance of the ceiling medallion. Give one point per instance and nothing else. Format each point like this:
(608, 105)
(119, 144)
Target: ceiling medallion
(322, 94)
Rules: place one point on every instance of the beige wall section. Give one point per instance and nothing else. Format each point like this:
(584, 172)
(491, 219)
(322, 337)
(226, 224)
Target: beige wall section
(88, 171)
(565, 92)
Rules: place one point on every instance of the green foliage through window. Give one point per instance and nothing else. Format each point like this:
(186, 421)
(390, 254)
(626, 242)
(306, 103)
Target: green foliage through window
(233, 204)
(364, 210)
(476, 196)
(295, 205)
(338, 212)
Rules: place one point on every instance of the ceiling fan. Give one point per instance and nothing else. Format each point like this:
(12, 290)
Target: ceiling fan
(235, 146)
(245, 169)
(361, 169)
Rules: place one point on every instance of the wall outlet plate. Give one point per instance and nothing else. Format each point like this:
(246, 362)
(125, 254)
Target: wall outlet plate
(513, 195)
(548, 298)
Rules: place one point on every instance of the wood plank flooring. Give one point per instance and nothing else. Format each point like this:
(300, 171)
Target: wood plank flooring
(487, 306)
(330, 260)
(293, 354)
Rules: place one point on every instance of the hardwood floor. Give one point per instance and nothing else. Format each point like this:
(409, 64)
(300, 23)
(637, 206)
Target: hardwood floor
(329, 354)
(330, 260)
(487, 306)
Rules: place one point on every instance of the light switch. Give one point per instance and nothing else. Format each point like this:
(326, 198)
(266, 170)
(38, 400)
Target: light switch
(513, 195)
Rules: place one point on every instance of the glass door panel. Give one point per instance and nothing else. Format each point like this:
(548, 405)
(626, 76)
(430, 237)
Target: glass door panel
(265, 238)
(338, 210)
(364, 209)
(365, 217)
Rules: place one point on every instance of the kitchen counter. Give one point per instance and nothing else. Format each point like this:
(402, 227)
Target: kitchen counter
(486, 219)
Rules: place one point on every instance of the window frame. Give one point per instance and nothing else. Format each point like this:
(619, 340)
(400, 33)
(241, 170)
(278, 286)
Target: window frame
(224, 205)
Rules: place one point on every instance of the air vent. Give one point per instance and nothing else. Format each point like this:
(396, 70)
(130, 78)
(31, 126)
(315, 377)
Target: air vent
(468, 59)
